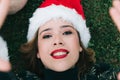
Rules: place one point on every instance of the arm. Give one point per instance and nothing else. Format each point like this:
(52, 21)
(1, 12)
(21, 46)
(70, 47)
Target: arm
(115, 13)
(118, 76)
(4, 58)
(4, 6)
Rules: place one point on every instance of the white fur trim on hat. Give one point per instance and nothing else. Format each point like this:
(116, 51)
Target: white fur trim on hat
(42, 15)
(3, 49)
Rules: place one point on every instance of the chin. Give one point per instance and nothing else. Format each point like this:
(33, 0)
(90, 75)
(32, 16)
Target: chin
(61, 69)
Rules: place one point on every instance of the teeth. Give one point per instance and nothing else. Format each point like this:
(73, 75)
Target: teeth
(59, 53)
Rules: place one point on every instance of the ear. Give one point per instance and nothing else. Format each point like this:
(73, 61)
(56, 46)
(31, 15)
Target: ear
(80, 49)
(38, 56)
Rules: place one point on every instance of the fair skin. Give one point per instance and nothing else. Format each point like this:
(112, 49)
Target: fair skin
(4, 66)
(58, 45)
(4, 6)
(115, 13)
(118, 76)
(8, 7)
(16, 5)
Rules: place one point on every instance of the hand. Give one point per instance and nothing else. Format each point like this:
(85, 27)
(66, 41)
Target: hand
(4, 6)
(118, 76)
(115, 13)
(4, 66)
(4, 56)
(16, 5)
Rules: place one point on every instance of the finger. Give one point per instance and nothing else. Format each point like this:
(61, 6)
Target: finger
(118, 76)
(115, 15)
(16, 5)
(4, 66)
(116, 4)
(4, 6)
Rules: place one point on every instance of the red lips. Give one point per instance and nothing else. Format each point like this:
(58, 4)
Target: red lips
(59, 53)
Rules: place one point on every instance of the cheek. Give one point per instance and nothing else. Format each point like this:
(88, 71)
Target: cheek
(75, 42)
(41, 51)
(43, 47)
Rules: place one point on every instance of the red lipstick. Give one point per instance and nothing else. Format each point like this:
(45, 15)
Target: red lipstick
(59, 53)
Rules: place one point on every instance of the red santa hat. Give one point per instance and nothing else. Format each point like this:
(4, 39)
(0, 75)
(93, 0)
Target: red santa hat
(3, 50)
(69, 10)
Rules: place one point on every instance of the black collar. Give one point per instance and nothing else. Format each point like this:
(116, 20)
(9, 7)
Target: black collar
(71, 74)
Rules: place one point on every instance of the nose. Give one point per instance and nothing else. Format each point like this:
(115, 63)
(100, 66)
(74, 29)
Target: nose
(58, 41)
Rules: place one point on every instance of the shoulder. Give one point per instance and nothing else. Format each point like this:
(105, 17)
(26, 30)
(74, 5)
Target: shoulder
(24, 75)
(7, 76)
(102, 71)
(27, 75)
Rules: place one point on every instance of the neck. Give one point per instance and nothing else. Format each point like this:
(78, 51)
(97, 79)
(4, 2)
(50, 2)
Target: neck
(71, 74)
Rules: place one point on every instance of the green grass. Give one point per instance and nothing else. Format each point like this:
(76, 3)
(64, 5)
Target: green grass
(105, 37)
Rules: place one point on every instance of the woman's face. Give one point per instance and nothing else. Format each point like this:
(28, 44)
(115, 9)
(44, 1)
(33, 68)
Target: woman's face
(58, 45)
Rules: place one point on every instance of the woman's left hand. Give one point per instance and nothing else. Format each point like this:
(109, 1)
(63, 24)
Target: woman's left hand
(5, 66)
(115, 13)
(118, 76)
(4, 7)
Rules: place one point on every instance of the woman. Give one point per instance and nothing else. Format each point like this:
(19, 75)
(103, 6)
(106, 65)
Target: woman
(57, 43)
(57, 49)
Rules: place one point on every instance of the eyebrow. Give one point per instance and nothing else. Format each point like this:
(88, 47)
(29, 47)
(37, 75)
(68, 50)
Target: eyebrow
(63, 26)
(45, 30)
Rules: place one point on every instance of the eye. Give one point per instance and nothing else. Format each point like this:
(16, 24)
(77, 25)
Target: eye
(67, 33)
(47, 36)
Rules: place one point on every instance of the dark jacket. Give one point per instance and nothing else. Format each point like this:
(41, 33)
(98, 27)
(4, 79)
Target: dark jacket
(97, 72)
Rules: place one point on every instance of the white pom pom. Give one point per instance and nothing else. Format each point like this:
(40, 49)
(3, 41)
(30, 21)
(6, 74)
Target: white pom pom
(3, 49)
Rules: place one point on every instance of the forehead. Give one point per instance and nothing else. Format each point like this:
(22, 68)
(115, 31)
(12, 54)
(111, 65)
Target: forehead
(55, 22)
